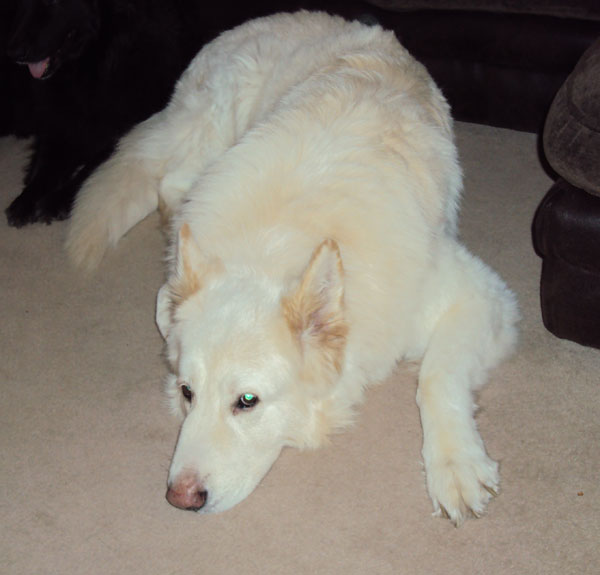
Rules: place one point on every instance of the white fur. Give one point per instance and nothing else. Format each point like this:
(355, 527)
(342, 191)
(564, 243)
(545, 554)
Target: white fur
(317, 163)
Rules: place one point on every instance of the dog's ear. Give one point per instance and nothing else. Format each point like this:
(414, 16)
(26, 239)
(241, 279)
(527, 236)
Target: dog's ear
(315, 311)
(190, 266)
(190, 273)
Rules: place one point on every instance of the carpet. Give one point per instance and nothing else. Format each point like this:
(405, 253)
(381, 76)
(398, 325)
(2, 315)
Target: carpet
(86, 436)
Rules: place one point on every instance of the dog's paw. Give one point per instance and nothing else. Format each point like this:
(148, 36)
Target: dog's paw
(21, 212)
(462, 486)
(29, 209)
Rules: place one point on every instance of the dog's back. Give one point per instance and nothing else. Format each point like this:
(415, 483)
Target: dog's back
(341, 135)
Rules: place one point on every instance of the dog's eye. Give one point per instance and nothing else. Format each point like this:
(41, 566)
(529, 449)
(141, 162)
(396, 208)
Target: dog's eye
(187, 392)
(247, 401)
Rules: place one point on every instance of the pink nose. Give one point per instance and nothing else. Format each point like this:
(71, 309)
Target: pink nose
(186, 492)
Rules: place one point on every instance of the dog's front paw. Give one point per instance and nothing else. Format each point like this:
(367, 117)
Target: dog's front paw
(22, 211)
(29, 208)
(462, 485)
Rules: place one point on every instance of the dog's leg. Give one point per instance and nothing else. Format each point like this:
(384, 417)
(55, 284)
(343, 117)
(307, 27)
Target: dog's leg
(471, 336)
(47, 195)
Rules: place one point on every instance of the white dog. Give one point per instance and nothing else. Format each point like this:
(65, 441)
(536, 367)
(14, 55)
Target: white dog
(310, 166)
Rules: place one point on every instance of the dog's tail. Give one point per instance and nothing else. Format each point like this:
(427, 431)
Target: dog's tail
(118, 195)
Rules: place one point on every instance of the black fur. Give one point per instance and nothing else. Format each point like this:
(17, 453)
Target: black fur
(112, 63)
(15, 117)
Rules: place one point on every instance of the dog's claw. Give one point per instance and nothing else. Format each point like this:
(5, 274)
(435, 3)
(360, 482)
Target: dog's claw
(490, 490)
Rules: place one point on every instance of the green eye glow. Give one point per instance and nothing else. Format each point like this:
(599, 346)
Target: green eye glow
(247, 401)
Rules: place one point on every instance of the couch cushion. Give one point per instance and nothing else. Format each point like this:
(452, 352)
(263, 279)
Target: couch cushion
(566, 234)
(566, 226)
(572, 130)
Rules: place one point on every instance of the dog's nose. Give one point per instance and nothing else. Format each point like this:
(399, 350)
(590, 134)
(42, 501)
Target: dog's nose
(16, 53)
(186, 492)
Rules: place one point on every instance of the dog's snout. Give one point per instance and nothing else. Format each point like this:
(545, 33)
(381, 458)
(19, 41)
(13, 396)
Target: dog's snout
(187, 492)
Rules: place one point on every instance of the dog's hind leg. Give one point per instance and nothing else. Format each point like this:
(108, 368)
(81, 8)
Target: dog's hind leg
(474, 332)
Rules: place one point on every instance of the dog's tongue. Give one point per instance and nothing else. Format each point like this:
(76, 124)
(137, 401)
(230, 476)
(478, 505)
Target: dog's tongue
(37, 69)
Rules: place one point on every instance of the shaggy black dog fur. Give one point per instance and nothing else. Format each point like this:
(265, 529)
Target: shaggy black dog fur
(90, 70)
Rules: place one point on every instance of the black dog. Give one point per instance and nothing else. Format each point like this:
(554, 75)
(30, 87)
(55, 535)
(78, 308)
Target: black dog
(94, 68)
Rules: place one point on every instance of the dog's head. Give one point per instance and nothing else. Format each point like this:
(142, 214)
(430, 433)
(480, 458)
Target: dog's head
(48, 33)
(253, 369)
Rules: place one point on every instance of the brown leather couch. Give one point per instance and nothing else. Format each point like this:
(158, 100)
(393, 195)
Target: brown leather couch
(498, 62)
(566, 228)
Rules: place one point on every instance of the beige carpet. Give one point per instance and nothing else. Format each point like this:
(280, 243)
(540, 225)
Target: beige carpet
(86, 437)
